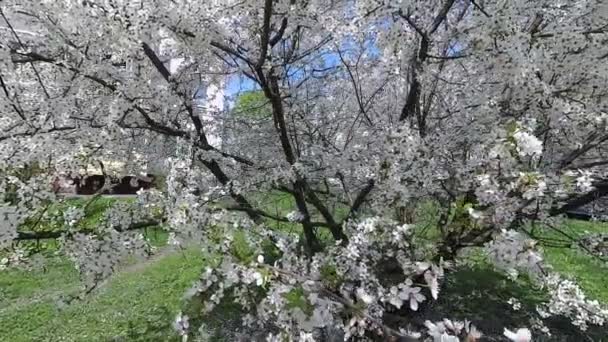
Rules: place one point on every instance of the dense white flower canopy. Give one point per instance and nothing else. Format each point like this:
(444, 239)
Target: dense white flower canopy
(495, 110)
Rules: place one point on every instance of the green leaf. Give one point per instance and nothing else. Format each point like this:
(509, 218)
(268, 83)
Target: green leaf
(296, 298)
(330, 276)
(253, 105)
(241, 248)
(271, 252)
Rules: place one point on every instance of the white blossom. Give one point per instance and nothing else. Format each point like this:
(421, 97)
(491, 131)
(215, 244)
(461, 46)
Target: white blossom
(294, 216)
(181, 325)
(521, 335)
(362, 114)
(405, 293)
(584, 182)
(173, 240)
(528, 144)
(475, 214)
(364, 296)
(514, 303)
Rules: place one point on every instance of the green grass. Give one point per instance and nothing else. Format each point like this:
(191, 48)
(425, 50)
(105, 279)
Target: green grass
(480, 294)
(590, 272)
(280, 204)
(140, 302)
(95, 212)
(135, 305)
(16, 284)
(52, 216)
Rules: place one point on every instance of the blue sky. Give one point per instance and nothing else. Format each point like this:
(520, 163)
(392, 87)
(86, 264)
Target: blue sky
(237, 84)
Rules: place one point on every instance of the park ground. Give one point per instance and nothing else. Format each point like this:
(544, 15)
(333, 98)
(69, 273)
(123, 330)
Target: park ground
(140, 301)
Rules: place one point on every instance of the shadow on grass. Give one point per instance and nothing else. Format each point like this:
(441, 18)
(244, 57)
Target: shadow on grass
(480, 295)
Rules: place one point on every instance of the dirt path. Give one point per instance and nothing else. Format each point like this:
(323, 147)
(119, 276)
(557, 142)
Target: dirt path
(135, 267)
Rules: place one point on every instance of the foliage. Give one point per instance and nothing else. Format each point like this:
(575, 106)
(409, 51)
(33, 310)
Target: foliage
(493, 111)
(253, 105)
(138, 304)
(51, 217)
(587, 270)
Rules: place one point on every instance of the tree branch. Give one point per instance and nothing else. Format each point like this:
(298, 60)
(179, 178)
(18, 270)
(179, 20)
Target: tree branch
(277, 37)
(600, 190)
(441, 16)
(31, 235)
(46, 93)
(160, 67)
(265, 35)
(481, 9)
(360, 199)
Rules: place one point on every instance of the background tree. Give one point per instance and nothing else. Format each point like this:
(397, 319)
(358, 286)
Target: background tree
(493, 110)
(252, 104)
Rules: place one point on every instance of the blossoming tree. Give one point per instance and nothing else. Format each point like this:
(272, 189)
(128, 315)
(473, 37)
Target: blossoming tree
(493, 110)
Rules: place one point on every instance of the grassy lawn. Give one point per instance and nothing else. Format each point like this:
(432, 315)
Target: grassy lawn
(591, 273)
(141, 300)
(138, 304)
(51, 219)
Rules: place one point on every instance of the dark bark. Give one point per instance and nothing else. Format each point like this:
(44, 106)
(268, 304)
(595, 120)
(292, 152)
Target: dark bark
(270, 86)
(358, 202)
(219, 174)
(600, 190)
